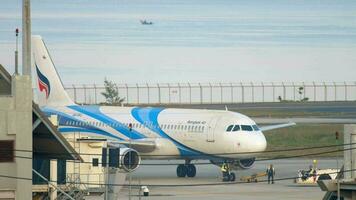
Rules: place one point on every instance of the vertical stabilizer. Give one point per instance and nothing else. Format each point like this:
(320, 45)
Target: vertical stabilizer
(49, 89)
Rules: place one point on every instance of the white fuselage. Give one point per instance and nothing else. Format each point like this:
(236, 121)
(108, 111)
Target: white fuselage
(177, 133)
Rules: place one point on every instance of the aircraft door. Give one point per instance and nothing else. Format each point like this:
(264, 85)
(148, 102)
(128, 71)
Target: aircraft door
(211, 128)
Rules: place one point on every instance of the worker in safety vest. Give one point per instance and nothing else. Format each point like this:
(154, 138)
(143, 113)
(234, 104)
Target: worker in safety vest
(270, 173)
(225, 169)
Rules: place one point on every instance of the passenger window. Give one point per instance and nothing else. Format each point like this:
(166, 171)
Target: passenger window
(246, 128)
(236, 128)
(229, 128)
(255, 128)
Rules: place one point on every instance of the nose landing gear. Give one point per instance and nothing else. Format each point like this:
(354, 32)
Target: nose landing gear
(188, 170)
(229, 177)
(226, 172)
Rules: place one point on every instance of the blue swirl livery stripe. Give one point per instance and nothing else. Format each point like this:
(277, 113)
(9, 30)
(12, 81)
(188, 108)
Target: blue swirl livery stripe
(87, 130)
(65, 118)
(149, 118)
(43, 82)
(94, 112)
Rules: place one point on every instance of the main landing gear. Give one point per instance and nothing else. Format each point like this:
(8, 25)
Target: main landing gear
(187, 169)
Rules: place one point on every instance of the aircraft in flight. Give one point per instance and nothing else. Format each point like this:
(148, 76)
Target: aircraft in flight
(151, 132)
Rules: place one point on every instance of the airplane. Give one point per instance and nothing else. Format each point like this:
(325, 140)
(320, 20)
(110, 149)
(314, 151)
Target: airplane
(152, 132)
(145, 22)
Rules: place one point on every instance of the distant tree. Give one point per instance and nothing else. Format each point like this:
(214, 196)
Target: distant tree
(305, 99)
(300, 91)
(280, 99)
(111, 93)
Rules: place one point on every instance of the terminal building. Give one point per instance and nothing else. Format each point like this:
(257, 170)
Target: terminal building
(37, 161)
(28, 141)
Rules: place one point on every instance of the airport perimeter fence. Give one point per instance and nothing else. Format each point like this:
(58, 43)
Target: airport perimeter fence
(217, 93)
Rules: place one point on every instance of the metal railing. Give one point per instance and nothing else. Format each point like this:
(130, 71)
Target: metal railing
(218, 93)
(93, 180)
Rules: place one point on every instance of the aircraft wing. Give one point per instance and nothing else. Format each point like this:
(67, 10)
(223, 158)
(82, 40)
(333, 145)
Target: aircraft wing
(272, 127)
(140, 145)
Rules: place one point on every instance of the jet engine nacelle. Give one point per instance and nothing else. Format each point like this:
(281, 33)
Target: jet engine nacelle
(129, 159)
(244, 163)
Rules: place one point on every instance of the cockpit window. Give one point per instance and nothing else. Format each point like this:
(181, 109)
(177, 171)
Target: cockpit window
(229, 128)
(236, 128)
(255, 128)
(246, 128)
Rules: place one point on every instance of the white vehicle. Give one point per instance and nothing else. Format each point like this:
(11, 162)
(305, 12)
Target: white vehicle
(312, 175)
(152, 133)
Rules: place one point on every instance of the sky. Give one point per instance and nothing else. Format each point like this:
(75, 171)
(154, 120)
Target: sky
(190, 40)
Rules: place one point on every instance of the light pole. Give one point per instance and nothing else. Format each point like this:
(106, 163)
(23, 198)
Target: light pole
(17, 52)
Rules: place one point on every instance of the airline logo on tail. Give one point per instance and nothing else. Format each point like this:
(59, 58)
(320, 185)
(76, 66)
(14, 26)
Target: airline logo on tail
(43, 83)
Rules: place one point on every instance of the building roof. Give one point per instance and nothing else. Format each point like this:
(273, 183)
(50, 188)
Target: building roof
(47, 141)
(5, 81)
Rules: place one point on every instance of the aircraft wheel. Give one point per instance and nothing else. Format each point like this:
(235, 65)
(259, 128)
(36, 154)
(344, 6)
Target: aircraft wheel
(191, 170)
(232, 177)
(181, 170)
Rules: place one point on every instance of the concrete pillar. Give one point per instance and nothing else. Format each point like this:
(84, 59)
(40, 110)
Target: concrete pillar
(22, 127)
(350, 151)
(53, 179)
(115, 177)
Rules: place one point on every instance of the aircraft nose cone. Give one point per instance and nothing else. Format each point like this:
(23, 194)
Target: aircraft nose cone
(260, 143)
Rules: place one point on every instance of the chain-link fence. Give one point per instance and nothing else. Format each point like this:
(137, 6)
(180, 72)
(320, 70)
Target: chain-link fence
(217, 93)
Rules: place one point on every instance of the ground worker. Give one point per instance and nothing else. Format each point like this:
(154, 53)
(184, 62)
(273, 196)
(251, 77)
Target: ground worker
(225, 170)
(270, 173)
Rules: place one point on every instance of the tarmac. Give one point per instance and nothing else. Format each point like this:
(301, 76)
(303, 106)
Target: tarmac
(165, 175)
